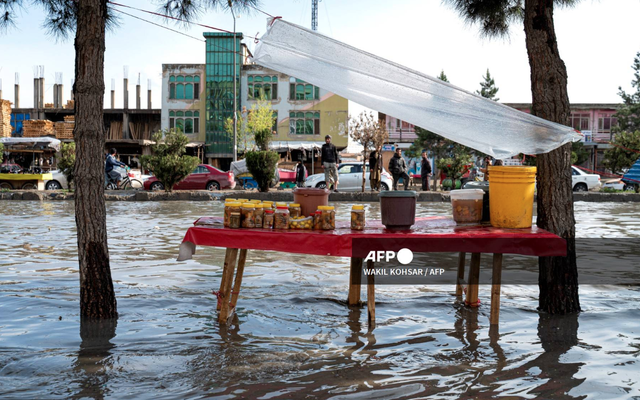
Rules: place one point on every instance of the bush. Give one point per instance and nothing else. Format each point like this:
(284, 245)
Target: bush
(262, 165)
(168, 162)
(66, 161)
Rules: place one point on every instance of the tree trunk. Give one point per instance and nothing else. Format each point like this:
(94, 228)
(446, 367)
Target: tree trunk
(558, 276)
(97, 297)
(364, 167)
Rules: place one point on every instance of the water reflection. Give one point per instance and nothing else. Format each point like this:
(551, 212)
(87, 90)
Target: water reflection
(93, 362)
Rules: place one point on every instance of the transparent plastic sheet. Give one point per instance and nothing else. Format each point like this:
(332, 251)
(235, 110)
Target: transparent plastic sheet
(411, 96)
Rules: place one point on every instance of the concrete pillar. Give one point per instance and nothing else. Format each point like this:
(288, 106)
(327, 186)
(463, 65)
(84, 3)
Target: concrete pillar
(113, 99)
(55, 95)
(41, 93)
(138, 99)
(36, 91)
(16, 99)
(60, 95)
(125, 94)
(149, 99)
(125, 125)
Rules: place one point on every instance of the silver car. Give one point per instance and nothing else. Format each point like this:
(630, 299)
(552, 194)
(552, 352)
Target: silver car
(350, 178)
(57, 182)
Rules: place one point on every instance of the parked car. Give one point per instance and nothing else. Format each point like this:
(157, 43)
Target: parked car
(58, 181)
(204, 177)
(583, 181)
(10, 169)
(350, 178)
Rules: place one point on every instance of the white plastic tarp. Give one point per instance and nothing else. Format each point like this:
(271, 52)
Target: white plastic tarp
(294, 145)
(409, 95)
(32, 141)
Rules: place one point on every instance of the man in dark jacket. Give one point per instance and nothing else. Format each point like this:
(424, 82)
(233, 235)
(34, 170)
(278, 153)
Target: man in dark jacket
(329, 159)
(425, 170)
(300, 174)
(398, 168)
(110, 163)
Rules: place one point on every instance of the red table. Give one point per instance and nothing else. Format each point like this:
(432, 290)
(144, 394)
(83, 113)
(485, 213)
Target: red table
(433, 234)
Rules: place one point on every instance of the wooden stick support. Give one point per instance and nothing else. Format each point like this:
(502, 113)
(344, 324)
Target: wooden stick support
(474, 279)
(371, 296)
(460, 280)
(239, 273)
(355, 279)
(223, 284)
(496, 282)
(225, 293)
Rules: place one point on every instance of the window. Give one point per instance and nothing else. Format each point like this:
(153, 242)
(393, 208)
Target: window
(186, 121)
(304, 123)
(274, 128)
(300, 90)
(262, 86)
(580, 121)
(350, 169)
(184, 87)
(605, 122)
(200, 170)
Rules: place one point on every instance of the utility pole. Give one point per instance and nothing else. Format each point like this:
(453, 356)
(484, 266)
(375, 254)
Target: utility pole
(314, 15)
(235, 93)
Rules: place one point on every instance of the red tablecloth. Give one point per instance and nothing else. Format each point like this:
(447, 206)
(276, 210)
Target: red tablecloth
(432, 234)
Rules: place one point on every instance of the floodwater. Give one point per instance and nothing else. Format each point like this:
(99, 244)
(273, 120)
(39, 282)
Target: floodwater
(292, 337)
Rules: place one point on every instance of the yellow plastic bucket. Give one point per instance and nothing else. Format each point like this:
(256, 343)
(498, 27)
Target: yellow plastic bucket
(511, 192)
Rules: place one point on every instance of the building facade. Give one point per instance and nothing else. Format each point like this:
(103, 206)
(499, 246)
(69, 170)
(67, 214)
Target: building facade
(303, 113)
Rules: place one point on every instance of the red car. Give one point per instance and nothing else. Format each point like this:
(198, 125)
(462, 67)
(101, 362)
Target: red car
(204, 177)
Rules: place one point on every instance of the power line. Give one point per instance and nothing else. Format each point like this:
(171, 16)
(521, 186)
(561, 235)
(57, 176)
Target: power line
(163, 27)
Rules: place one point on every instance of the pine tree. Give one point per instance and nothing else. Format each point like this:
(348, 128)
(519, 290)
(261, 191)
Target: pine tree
(488, 87)
(442, 76)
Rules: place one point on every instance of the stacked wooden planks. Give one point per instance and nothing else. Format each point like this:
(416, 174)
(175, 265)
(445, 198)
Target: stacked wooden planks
(69, 105)
(37, 128)
(5, 118)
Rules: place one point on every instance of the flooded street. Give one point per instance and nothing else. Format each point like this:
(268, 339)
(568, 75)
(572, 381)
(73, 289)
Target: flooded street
(292, 335)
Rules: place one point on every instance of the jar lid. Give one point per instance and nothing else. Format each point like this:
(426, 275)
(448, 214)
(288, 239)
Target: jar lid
(255, 201)
(268, 211)
(259, 205)
(283, 208)
(318, 211)
(248, 206)
(230, 199)
(267, 202)
(235, 213)
(233, 204)
(294, 205)
(281, 204)
(326, 207)
(243, 200)
(358, 207)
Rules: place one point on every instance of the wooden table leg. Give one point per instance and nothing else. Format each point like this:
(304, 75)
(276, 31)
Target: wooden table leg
(460, 280)
(239, 273)
(496, 282)
(223, 282)
(371, 296)
(355, 279)
(225, 293)
(474, 278)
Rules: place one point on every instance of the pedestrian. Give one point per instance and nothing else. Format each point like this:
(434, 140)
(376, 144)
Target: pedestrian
(425, 170)
(301, 174)
(398, 168)
(485, 169)
(329, 160)
(375, 168)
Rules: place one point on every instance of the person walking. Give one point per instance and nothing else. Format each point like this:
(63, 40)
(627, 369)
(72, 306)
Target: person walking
(375, 168)
(301, 173)
(398, 168)
(425, 170)
(329, 160)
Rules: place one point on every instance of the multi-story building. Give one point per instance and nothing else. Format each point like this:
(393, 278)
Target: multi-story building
(303, 113)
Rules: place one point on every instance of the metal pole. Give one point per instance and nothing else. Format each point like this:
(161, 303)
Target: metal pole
(235, 93)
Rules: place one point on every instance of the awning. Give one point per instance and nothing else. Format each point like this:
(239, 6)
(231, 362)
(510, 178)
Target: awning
(294, 145)
(34, 142)
(422, 100)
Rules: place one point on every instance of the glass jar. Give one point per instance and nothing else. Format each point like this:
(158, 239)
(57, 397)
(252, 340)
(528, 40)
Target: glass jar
(317, 220)
(267, 220)
(259, 215)
(230, 207)
(294, 210)
(234, 220)
(300, 223)
(281, 218)
(248, 215)
(357, 217)
(268, 204)
(328, 218)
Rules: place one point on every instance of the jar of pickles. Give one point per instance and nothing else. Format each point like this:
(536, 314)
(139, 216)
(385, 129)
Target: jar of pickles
(317, 220)
(294, 210)
(248, 215)
(357, 217)
(268, 204)
(259, 214)
(328, 217)
(267, 220)
(234, 220)
(230, 207)
(281, 218)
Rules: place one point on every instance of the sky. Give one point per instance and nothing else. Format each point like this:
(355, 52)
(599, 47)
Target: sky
(596, 41)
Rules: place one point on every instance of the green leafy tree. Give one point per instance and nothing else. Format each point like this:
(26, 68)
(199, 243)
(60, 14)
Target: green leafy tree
(629, 114)
(66, 160)
(262, 163)
(488, 87)
(168, 161)
(442, 76)
(623, 153)
(245, 141)
(558, 276)
(578, 153)
(88, 20)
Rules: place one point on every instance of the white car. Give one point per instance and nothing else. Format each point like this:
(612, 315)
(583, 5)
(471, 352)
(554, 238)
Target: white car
(582, 181)
(350, 178)
(57, 182)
